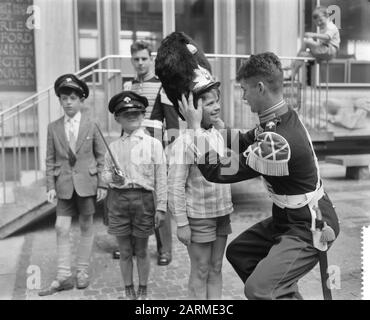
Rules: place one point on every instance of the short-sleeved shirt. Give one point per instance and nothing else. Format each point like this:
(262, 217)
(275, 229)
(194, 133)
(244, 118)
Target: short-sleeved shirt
(332, 31)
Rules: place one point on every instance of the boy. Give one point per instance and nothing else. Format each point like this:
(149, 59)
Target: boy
(74, 162)
(201, 208)
(137, 200)
(159, 114)
(323, 45)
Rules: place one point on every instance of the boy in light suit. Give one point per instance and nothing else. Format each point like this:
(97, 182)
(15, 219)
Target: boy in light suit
(74, 162)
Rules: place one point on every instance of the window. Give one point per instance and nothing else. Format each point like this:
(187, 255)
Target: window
(140, 20)
(243, 27)
(196, 18)
(88, 33)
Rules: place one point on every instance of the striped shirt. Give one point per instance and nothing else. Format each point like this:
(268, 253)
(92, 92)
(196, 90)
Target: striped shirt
(189, 193)
(142, 160)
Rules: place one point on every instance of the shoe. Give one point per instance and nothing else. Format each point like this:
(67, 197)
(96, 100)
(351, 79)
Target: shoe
(129, 293)
(116, 254)
(164, 258)
(141, 293)
(58, 285)
(82, 279)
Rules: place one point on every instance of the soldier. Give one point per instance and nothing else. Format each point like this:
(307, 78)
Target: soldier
(271, 256)
(74, 162)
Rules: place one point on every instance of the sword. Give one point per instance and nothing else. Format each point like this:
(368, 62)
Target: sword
(116, 168)
(323, 263)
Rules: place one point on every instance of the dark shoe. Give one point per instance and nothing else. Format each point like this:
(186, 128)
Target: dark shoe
(116, 254)
(58, 285)
(141, 293)
(164, 258)
(82, 279)
(129, 293)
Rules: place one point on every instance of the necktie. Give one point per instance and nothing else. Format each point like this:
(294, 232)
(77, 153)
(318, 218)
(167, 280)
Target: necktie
(72, 138)
(72, 144)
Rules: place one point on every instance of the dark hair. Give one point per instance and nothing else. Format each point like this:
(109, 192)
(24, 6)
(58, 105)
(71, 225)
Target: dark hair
(265, 67)
(68, 91)
(140, 45)
(321, 9)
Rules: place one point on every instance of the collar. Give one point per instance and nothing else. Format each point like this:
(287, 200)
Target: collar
(148, 76)
(139, 133)
(273, 112)
(75, 118)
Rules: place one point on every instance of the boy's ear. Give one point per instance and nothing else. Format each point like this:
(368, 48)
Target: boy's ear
(261, 87)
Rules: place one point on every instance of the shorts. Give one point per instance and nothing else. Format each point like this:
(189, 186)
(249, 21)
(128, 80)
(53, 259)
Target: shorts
(207, 229)
(324, 52)
(76, 205)
(130, 212)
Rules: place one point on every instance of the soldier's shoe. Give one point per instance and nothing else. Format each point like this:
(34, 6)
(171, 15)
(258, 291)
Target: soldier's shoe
(58, 285)
(142, 293)
(82, 279)
(164, 258)
(129, 293)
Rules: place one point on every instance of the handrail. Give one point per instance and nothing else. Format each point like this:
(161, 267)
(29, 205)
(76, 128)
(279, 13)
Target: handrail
(97, 62)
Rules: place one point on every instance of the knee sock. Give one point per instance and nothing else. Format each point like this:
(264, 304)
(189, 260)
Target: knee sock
(64, 258)
(84, 251)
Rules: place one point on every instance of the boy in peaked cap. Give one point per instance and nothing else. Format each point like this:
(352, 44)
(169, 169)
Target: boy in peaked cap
(271, 256)
(137, 199)
(74, 162)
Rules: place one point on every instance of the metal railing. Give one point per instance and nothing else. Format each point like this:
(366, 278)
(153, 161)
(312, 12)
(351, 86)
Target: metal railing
(23, 126)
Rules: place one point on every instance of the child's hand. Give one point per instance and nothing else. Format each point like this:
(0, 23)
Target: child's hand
(118, 179)
(310, 35)
(184, 234)
(159, 218)
(51, 195)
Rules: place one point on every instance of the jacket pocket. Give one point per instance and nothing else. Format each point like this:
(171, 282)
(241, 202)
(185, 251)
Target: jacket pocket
(93, 171)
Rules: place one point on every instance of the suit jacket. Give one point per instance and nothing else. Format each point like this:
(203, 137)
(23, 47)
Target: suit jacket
(85, 176)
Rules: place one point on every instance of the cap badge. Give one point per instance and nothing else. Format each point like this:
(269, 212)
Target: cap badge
(68, 79)
(127, 100)
(202, 78)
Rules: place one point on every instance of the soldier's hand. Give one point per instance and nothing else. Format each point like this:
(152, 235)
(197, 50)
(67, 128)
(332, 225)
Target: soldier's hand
(51, 195)
(101, 194)
(184, 234)
(219, 124)
(159, 218)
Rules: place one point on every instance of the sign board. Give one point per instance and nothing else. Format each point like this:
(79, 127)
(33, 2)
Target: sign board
(17, 49)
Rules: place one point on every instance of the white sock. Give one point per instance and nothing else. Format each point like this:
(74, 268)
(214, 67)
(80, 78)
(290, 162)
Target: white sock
(84, 252)
(64, 259)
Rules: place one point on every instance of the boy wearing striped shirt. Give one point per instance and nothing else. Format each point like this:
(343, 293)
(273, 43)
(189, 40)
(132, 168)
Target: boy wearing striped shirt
(201, 208)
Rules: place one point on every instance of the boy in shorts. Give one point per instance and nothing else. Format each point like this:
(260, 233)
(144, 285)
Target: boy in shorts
(137, 198)
(201, 208)
(74, 162)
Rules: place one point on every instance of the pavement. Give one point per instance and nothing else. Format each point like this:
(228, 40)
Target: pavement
(27, 259)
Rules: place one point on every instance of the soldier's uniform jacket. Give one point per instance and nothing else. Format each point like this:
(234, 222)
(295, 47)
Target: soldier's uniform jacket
(280, 151)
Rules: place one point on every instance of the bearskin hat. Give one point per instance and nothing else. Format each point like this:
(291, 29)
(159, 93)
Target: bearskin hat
(182, 66)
